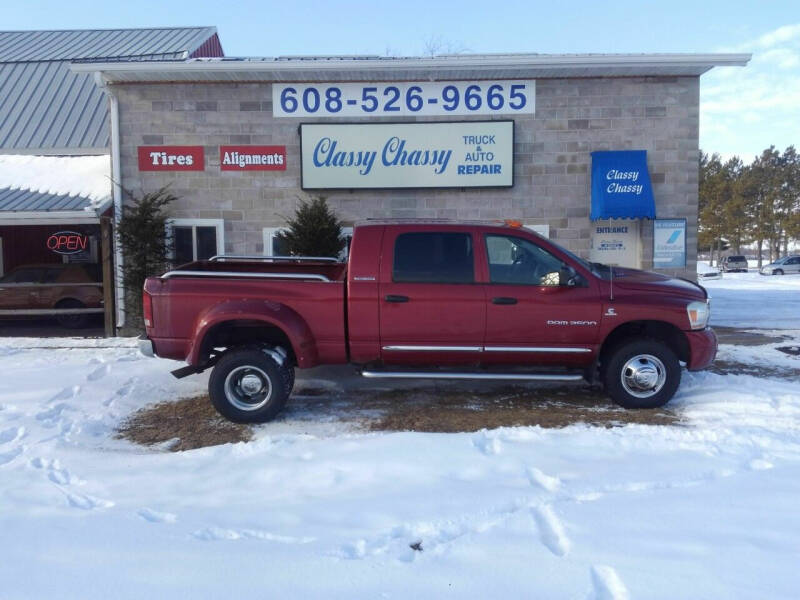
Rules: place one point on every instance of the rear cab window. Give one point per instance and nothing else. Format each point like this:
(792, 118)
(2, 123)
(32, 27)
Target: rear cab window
(434, 257)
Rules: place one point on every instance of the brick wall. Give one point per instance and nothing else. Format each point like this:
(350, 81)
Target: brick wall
(551, 158)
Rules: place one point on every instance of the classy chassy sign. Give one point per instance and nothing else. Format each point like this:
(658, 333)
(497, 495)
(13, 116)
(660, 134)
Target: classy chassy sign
(252, 158)
(404, 99)
(171, 158)
(621, 185)
(407, 155)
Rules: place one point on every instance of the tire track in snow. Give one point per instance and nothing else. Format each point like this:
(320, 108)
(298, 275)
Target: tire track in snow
(551, 530)
(99, 373)
(607, 585)
(7, 457)
(10, 435)
(85, 501)
(154, 516)
(211, 534)
(547, 482)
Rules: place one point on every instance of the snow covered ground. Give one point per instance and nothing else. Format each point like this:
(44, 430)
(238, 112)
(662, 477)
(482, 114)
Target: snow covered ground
(753, 300)
(704, 509)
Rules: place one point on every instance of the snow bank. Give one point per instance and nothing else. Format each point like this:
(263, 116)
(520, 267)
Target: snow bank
(88, 176)
(707, 509)
(753, 300)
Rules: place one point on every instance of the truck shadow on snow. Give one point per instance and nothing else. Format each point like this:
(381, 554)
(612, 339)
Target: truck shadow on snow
(444, 408)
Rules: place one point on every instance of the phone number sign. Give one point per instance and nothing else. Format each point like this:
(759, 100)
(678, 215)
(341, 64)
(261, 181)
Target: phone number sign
(404, 99)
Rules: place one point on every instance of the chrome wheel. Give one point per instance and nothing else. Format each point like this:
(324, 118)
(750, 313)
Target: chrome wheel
(643, 375)
(248, 388)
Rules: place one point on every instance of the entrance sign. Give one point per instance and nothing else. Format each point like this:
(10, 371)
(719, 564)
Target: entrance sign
(252, 158)
(404, 99)
(407, 155)
(615, 242)
(68, 242)
(621, 186)
(669, 243)
(171, 158)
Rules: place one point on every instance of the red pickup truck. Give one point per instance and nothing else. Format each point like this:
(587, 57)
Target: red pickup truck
(424, 299)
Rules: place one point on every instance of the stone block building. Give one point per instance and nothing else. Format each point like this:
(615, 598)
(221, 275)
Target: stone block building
(563, 109)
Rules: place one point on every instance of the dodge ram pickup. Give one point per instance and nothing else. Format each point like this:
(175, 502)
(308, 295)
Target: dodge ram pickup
(425, 299)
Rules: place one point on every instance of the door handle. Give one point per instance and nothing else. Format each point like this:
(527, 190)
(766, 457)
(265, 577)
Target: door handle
(396, 298)
(504, 300)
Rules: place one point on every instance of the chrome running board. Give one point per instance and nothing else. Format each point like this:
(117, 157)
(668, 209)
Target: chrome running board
(470, 375)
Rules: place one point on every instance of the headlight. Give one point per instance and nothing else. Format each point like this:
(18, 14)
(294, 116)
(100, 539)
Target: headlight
(698, 314)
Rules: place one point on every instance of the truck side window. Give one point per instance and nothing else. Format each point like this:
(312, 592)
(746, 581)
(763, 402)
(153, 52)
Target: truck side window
(516, 261)
(434, 257)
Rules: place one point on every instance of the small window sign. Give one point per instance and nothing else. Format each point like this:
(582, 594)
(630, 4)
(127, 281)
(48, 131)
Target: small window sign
(669, 243)
(68, 242)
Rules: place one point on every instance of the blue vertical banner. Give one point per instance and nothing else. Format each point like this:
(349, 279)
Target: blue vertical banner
(669, 243)
(621, 187)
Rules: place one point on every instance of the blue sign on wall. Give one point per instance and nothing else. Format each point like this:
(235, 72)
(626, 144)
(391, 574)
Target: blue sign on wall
(621, 186)
(669, 243)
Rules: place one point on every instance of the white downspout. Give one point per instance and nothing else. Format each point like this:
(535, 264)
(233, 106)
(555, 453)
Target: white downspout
(116, 183)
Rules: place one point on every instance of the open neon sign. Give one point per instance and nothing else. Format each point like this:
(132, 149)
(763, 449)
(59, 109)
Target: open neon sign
(68, 242)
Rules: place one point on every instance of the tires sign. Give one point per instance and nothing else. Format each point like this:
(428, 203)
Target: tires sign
(171, 158)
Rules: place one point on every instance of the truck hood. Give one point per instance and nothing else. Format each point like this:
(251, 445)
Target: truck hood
(647, 281)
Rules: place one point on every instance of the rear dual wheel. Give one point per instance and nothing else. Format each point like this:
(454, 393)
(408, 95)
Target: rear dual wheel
(642, 374)
(249, 386)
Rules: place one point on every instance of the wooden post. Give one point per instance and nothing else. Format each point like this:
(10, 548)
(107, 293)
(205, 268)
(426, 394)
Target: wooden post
(107, 252)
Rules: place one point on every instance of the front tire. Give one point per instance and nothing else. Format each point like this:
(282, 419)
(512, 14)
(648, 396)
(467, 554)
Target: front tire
(778, 272)
(248, 386)
(642, 374)
(72, 321)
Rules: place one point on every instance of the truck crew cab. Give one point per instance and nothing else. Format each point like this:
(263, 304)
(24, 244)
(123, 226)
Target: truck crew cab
(427, 300)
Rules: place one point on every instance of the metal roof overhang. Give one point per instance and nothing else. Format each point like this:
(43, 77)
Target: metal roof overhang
(491, 66)
(29, 207)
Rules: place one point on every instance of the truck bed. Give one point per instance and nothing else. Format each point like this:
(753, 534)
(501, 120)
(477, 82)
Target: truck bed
(191, 297)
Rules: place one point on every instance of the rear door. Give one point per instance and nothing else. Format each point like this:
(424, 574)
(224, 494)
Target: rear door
(432, 311)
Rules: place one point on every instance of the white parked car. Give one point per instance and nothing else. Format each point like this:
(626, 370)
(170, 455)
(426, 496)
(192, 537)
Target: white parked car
(782, 266)
(704, 271)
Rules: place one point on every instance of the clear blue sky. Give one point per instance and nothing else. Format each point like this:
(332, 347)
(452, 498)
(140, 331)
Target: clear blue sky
(743, 110)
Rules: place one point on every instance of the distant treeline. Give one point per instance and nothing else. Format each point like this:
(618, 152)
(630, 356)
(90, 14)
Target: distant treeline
(745, 204)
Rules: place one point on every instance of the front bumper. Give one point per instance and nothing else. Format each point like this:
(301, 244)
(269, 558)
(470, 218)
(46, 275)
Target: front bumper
(702, 349)
(146, 346)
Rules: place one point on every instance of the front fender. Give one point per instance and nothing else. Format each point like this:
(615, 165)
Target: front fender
(266, 311)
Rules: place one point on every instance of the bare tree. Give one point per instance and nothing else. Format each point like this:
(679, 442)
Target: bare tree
(435, 45)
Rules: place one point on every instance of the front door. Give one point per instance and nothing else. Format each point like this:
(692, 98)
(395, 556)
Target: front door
(532, 317)
(431, 308)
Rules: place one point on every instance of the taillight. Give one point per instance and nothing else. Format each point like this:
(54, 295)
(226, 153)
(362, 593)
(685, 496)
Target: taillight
(147, 309)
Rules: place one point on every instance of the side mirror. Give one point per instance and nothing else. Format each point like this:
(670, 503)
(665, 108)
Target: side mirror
(568, 276)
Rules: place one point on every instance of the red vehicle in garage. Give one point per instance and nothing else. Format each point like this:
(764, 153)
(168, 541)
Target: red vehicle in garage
(427, 300)
(69, 292)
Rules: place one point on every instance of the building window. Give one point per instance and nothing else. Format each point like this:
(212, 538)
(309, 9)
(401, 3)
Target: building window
(274, 247)
(196, 239)
(542, 230)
